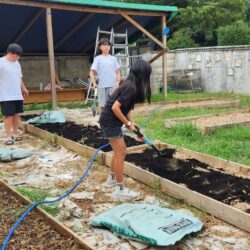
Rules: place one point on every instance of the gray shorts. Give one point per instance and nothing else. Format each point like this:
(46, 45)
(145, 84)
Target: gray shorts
(104, 94)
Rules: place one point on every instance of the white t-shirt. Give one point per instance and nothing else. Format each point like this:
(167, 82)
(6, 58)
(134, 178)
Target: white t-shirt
(10, 80)
(105, 67)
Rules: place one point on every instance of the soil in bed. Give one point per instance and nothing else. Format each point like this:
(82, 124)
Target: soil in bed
(34, 232)
(91, 136)
(195, 175)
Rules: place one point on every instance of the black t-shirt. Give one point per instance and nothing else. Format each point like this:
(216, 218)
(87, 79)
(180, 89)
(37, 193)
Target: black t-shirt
(125, 95)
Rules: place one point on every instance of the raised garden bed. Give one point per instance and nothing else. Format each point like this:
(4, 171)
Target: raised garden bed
(211, 122)
(91, 136)
(210, 188)
(146, 109)
(180, 189)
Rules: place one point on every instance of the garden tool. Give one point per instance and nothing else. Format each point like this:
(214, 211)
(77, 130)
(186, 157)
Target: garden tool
(94, 103)
(149, 142)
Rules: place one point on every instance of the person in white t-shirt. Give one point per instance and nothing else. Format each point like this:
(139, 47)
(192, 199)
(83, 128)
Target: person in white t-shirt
(12, 90)
(107, 69)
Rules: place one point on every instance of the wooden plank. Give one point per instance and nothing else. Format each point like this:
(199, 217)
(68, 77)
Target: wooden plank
(156, 57)
(149, 108)
(211, 206)
(139, 27)
(51, 56)
(64, 95)
(210, 128)
(79, 8)
(55, 224)
(78, 148)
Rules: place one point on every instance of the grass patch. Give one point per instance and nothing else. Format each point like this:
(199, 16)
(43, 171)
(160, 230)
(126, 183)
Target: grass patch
(228, 143)
(36, 195)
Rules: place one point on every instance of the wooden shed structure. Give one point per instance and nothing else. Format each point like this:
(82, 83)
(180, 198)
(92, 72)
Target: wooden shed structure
(68, 27)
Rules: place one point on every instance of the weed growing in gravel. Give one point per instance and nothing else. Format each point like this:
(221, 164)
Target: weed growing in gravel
(36, 195)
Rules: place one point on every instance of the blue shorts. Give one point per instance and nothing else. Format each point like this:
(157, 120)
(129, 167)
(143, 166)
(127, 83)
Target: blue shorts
(110, 132)
(10, 108)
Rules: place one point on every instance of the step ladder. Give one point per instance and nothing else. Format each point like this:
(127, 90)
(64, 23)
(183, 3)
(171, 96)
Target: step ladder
(120, 49)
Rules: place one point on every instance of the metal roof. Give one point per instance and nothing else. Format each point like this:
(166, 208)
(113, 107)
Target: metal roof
(120, 5)
(74, 30)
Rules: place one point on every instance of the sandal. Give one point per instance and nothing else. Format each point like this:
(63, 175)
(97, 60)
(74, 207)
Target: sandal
(16, 138)
(9, 142)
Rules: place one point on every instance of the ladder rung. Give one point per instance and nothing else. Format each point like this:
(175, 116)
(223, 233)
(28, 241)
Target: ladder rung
(104, 32)
(121, 56)
(120, 46)
(120, 35)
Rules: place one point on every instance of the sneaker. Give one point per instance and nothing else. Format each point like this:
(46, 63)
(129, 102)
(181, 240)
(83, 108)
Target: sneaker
(111, 182)
(121, 193)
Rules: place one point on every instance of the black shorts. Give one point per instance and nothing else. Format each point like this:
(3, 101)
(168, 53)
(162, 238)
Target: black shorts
(110, 132)
(10, 108)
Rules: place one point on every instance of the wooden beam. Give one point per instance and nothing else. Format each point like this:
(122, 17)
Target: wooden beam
(92, 43)
(74, 29)
(138, 26)
(27, 26)
(79, 8)
(156, 56)
(51, 56)
(164, 59)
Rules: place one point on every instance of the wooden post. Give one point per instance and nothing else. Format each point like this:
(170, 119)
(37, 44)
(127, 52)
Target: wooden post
(51, 56)
(164, 59)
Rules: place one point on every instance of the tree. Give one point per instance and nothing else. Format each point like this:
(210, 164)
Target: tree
(182, 39)
(234, 34)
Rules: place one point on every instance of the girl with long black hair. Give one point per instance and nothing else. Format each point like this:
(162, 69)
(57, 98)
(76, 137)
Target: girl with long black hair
(117, 111)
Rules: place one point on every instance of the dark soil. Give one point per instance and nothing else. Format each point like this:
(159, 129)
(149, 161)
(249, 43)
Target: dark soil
(91, 136)
(34, 232)
(196, 175)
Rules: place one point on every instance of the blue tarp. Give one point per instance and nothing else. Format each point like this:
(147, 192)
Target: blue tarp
(13, 154)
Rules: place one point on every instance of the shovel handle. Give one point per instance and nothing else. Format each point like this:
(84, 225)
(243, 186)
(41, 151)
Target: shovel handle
(138, 132)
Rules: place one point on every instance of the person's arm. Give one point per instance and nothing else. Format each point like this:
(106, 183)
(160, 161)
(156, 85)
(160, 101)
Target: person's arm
(118, 77)
(92, 78)
(24, 89)
(116, 108)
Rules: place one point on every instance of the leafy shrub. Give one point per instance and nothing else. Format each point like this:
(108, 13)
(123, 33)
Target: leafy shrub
(235, 34)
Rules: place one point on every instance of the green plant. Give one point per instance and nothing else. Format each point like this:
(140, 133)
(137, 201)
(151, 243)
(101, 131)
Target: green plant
(36, 195)
(234, 34)
(52, 140)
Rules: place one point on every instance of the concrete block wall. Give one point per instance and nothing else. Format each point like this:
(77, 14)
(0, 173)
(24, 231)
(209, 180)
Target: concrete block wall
(36, 69)
(223, 69)
(156, 76)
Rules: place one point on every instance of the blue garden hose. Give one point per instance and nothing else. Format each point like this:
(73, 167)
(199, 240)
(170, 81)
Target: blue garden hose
(6, 241)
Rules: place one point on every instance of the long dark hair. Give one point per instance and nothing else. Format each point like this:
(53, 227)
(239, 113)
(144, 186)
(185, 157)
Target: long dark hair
(103, 41)
(139, 75)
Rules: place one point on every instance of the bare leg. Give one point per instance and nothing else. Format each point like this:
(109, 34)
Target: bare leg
(8, 123)
(117, 165)
(15, 123)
